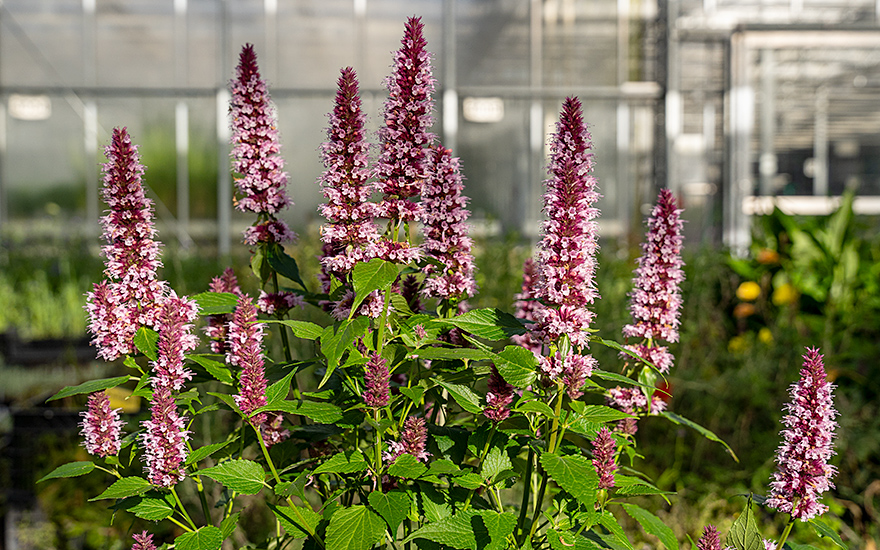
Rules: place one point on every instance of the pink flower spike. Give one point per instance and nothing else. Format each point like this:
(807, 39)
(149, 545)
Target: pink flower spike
(246, 352)
(604, 448)
(498, 398)
(710, 539)
(413, 439)
(802, 469)
(174, 325)
(403, 165)
(144, 541)
(376, 378)
(101, 426)
(164, 440)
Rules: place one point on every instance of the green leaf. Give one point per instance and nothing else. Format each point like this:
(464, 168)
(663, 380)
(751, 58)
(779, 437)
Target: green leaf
(652, 525)
(146, 340)
(496, 461)
(414, 394)
(260, 266)
(227, 526)
(824, 531)
(744, 534)
(682, 421)
(206, 538)
(279, 390)
(601, 414)
(393, 506)
(299, 522)
(216, 303)
(470, 480)
(575, 474)
(204, 452)
(242, 476)
(470, 530)
(536, 407)
(215, 368)
(566, 540)
(618, 378)
(141, 389)
(284, 265)
(377, 274)
(125, 487)
(354, 528)
(407, 466)
(71, 469)
(463, 395)
(517, 366)
(300, 329)
(152, 508)
(228, 400)
(337, 337)
(343, 463)
(90, 387)
(450, 354)
(319, 411)
(609, 522)
(488, 323)
(619, 348)
(443, 467)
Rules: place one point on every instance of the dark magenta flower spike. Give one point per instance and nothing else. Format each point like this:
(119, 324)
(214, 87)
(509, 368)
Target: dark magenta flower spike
(499, 397)
(413, 440)
(377, 391)
(604, 448)
(710, 539)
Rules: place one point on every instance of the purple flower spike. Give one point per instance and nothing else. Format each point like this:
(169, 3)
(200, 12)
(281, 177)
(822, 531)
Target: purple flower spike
(348, 210)
(603, 458)
(129, 298)
(100, 426)
(446, 231)
(413, 439)
(403, 164)
(164, 440)
(710, 539)
(802, 469)
(655, 300)
(498, 398)
(216, 329)
(567, 256)
(261, 181)
(571, 370)
(175, 341)
(245, 352)
(376, 378)
(144, 541)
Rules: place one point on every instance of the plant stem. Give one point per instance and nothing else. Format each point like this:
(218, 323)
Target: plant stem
(524, 506)
(182, 509)
(483, 454)
(205, 509)
(177, 523)
(785, 534)
(555, 435)
(538, 501)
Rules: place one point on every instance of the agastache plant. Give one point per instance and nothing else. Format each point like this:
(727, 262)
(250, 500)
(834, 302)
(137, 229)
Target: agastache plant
(246, 353)
(101, 426)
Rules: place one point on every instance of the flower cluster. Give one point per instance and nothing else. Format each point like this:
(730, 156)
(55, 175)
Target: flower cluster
(130, 297)
(376, 378)
(403, 163)
(567, 255)
(261, 181)
(710, 539)
(101, 426)
(350, 229)
(216, 329)
(278, 303)
(245, 352)
(802, 469)
(175, 341)
(570, 370)
(498, 398)
(273, 432)
(446, 231)
(526, 307)
(604, 448)
(144, 541)
(632, 401)
(413, 440)
(655, 300)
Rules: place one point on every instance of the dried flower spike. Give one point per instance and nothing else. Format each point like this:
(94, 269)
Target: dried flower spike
(603, 458)
(101, 426)
(802, 469)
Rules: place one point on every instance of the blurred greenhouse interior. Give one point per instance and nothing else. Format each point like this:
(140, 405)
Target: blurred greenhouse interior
(730, 103)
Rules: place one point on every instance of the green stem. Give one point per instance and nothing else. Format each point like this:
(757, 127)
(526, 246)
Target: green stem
(785, 534)
(378, 444)
(205, 509)
(380, 339)
(182, 509)
(177, 523)
(524, 506)
(483, 454)
(112, 472)
(555, 435)
(538, 502)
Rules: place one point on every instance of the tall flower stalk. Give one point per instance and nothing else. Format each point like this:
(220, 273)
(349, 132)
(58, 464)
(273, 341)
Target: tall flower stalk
(129, 298)
(101, 426)
(656, 300)
(246, 353)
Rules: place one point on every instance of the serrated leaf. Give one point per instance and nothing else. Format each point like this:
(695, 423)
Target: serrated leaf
(90, 387)
(215, 368)
(443, 467)
(279, 390)
(618, 378)
(652, 525)
(566, 540)
(354, 528)
(284, 265)
(242, 476)
(469, 480)
(601, 414)
(407, 466)
(488, 323)
(414, 394)
(824, 531)
(336, 338)
(619, 348)
(377, 274)
(343, 463)
(228, 400)
(71, 469)
(152, 509)
(146, 340)
(319, 411)
(142, 388)
(517, 366)
(260, 266)
(125, 487)
(227, 526)
(216, 303)
(536, 407)
(744, 534)
(451, 354)
(300, 329)
(206, 538)
(496, 461)
(470, 530)
(682, 421)
(609, 522)
(393, 506)
(463, 395)
(575, 474)
(299, 522)
(204, 452)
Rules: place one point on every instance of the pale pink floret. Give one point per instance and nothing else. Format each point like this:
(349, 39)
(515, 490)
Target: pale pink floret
(632, 401)
(413, 439)
(176, 339)
(604, 448)
(802, 469)
(101, 426)
(144, 541)
(246, 352)
(571, 370)
(446, 231)
(278, 303)
(273, 432)
(164, 440)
